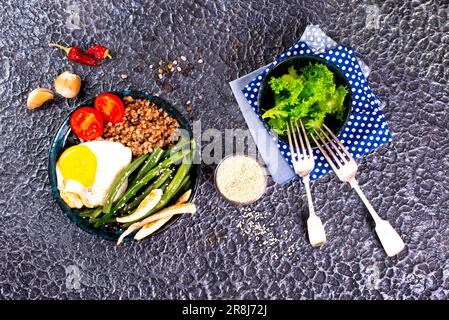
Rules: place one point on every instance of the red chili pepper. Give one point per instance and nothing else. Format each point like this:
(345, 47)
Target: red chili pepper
(99, 52)
(76, 54)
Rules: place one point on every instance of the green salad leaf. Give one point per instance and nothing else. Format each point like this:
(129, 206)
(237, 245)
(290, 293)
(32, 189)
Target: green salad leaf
(310, 96)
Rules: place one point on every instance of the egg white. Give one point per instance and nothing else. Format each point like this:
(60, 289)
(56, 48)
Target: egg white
(112, 158)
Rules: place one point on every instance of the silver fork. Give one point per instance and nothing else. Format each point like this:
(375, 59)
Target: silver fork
(303, 164)
(345, 168)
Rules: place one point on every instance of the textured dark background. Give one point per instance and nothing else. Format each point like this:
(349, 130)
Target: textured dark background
(216, 253)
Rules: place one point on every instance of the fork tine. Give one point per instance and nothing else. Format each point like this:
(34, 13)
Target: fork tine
(329, 160)
(295, 140)
(342, 156)
(329, 149)
(307, 139)
(290, 144)
(303, 149)
(337, 162)
(345, 150)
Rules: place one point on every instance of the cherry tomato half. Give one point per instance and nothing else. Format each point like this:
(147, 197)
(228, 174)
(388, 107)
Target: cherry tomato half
(110, 106)
(87, 123)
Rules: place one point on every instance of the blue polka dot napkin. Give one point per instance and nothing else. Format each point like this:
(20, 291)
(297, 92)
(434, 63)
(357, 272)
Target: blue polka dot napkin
(366, 129)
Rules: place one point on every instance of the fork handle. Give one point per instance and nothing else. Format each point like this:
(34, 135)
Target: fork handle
(374, 215)
(315, 228)
(309, 196)
(391, 241)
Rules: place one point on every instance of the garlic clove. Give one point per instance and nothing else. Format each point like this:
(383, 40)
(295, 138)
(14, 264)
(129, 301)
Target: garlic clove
(68, 84)
(39, 97)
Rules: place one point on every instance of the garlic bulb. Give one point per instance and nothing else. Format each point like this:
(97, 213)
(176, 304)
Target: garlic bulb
(39, 97)
(68, 84)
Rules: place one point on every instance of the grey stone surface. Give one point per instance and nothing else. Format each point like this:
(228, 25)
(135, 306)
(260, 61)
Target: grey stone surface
(215, 253)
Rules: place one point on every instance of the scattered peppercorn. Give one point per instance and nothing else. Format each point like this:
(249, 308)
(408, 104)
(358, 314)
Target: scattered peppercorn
(167, 71)
(168, 87)
(138, 69)
(188, 106)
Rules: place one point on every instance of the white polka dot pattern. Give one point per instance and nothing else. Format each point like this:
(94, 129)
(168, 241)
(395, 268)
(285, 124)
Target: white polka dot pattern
(366, 128)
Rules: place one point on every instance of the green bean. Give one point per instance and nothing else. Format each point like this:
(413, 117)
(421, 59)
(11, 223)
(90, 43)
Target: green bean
(130, 210)
(155, 185)
(86, 212)
(165, 185)
(99, 222)
(163, 188)
(182, 142)
(172, 190)
(185, 185)
(96, 224)
(97, 212)
(149, 164)
(131, 192)
(176, 184)
(120, 179)
(150, 175)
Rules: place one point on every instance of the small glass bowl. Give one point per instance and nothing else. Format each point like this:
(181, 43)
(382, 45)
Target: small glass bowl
(239, 203)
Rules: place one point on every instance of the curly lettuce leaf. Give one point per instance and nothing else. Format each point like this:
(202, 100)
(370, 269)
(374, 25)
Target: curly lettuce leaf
(275, 113)
(279, 124)
(315, 122)
(310, 95)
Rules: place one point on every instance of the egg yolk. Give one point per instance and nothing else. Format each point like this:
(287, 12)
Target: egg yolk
(78, 163)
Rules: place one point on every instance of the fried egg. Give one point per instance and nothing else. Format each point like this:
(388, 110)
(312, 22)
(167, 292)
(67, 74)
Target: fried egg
(85, 172)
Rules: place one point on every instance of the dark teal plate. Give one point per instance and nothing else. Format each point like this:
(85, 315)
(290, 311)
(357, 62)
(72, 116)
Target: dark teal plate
(65, 138)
